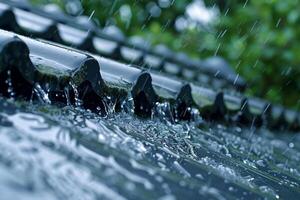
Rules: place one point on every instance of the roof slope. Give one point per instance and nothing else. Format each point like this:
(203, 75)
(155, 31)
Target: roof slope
(67, 73)
(110, 42)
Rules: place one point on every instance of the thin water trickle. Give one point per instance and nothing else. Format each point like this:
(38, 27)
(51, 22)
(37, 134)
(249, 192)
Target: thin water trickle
(41, 94)
(78, 101)
(109, 105)
(10, 89)
(67, 95)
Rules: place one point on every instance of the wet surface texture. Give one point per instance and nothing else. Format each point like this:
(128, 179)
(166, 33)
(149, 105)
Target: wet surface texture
(28, 65)
(25, 19)
(94, 128)
(67, 153)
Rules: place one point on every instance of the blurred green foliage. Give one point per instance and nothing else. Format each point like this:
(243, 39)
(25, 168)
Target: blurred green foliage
(262, 42)
(260, 38)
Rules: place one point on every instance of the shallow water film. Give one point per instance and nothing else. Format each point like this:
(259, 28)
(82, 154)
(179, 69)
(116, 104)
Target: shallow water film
(48, 152)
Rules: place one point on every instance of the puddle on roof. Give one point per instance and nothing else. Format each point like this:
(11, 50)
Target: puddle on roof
(67, 153)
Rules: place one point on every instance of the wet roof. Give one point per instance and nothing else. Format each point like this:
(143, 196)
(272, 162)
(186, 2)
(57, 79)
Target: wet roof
(70, 56)
(202, 137)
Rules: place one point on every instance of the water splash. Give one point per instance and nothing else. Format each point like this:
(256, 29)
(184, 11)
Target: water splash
(78, 101)
(73, 151)
(41, 94)
(128, 104)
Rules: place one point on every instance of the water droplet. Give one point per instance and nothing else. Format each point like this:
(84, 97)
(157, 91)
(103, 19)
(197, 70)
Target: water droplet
(41, 93)
(78, 101)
